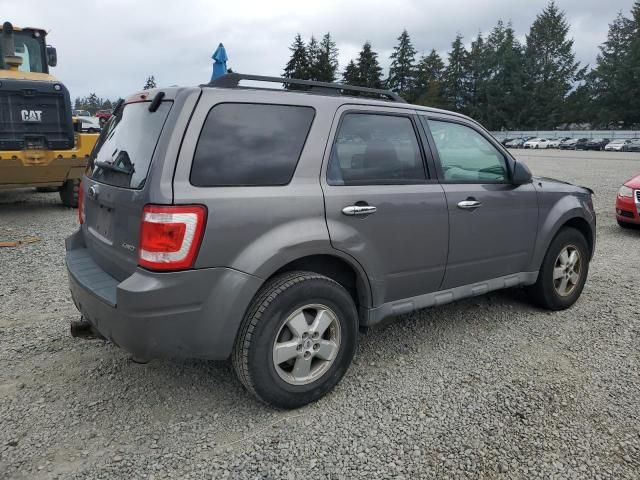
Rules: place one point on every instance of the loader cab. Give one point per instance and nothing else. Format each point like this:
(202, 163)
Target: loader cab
(29, 49)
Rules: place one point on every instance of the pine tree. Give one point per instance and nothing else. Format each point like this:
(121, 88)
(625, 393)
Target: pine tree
(351, 74)
(550, 68)
(503, 87)
(298, 64)
(93, 103)
(611, 78)
(150, 83)
(313, 59)
(429, 81)
(369, 70)
(632, 117)
(401, 71)
(326, 66)
(478, 74)
(580, 106)
(456, 77)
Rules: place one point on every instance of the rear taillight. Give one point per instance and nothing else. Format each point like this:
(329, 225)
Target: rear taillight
(170, 236)
(80, 205)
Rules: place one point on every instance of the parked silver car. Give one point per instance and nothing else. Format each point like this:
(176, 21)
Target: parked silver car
(270, 226)
(618, 145)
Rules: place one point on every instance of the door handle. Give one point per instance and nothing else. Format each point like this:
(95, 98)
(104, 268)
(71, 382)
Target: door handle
(469, 204)
(359, 210)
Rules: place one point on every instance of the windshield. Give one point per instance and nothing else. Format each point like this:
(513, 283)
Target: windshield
(124, 150)
(29, 45)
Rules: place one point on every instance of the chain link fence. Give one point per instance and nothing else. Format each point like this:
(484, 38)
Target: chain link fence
(610, 134)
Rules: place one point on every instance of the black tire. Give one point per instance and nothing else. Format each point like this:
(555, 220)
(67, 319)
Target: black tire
(627, 225)
(69, 193)
(543, 292)
(252, 355)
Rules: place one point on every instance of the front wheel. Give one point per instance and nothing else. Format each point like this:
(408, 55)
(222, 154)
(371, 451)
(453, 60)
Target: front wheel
(564, 271)
(628, 225)
(297, 339)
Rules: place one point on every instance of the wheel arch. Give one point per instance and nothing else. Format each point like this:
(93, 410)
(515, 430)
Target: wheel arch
(573, 218)
(337, 268)
(580, 224)
(347, 273)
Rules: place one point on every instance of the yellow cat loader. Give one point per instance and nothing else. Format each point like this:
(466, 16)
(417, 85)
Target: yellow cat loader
(39, 145)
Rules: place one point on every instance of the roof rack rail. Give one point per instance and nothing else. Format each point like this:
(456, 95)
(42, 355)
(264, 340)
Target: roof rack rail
(232, 80)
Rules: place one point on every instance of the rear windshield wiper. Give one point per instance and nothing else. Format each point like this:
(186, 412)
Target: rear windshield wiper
(114, 168)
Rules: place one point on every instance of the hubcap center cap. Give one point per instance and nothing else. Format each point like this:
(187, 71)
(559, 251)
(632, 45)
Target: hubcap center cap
(307, 345)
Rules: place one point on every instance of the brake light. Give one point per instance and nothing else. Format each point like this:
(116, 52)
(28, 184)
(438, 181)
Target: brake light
(80, 204)
(170, 236)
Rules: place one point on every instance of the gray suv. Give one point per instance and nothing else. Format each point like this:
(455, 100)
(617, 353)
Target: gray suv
(269, 226)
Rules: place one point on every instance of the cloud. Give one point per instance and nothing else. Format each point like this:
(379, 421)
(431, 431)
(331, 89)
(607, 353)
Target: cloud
(111, 46)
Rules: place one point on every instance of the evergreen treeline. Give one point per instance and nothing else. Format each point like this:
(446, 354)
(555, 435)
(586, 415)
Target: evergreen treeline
(92, 103)
(500, 81)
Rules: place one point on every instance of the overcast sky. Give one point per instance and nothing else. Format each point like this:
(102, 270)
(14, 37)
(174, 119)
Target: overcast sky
(111, 46)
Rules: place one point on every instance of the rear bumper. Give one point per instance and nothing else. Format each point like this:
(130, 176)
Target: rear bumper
(192, 314)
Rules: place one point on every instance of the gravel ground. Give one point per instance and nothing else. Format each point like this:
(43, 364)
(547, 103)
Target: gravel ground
(485, 388)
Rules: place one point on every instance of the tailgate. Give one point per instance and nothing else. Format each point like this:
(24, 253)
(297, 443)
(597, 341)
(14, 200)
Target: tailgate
(114, 189)
(112, 226)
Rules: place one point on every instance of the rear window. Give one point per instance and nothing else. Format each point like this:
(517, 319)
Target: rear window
(123, 154)
(250, 144)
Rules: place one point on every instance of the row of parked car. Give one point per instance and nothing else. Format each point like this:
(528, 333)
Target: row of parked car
(569, 143)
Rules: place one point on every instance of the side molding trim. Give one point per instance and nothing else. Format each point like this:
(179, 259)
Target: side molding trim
(407, 305)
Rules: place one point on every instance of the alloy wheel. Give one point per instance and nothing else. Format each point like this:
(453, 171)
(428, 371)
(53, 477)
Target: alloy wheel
(306, 344)
(567, 270)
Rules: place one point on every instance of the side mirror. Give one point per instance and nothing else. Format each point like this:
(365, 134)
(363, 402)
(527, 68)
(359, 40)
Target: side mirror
(52, 56)
(521, 174)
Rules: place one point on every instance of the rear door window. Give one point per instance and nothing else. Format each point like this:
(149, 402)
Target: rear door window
(249, 144)
(123, 154)
(375, 149)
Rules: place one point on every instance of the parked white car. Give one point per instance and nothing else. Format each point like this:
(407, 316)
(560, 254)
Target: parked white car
(554, 143)
(537, 143)
(618, 145)
(89, 124)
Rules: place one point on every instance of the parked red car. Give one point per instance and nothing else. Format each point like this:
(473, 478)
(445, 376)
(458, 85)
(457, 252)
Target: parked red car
(103, 116)
(628, 203)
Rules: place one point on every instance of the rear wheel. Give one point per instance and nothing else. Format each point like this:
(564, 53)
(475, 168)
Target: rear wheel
(297, 339)
(564, 271)
(69, 193)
